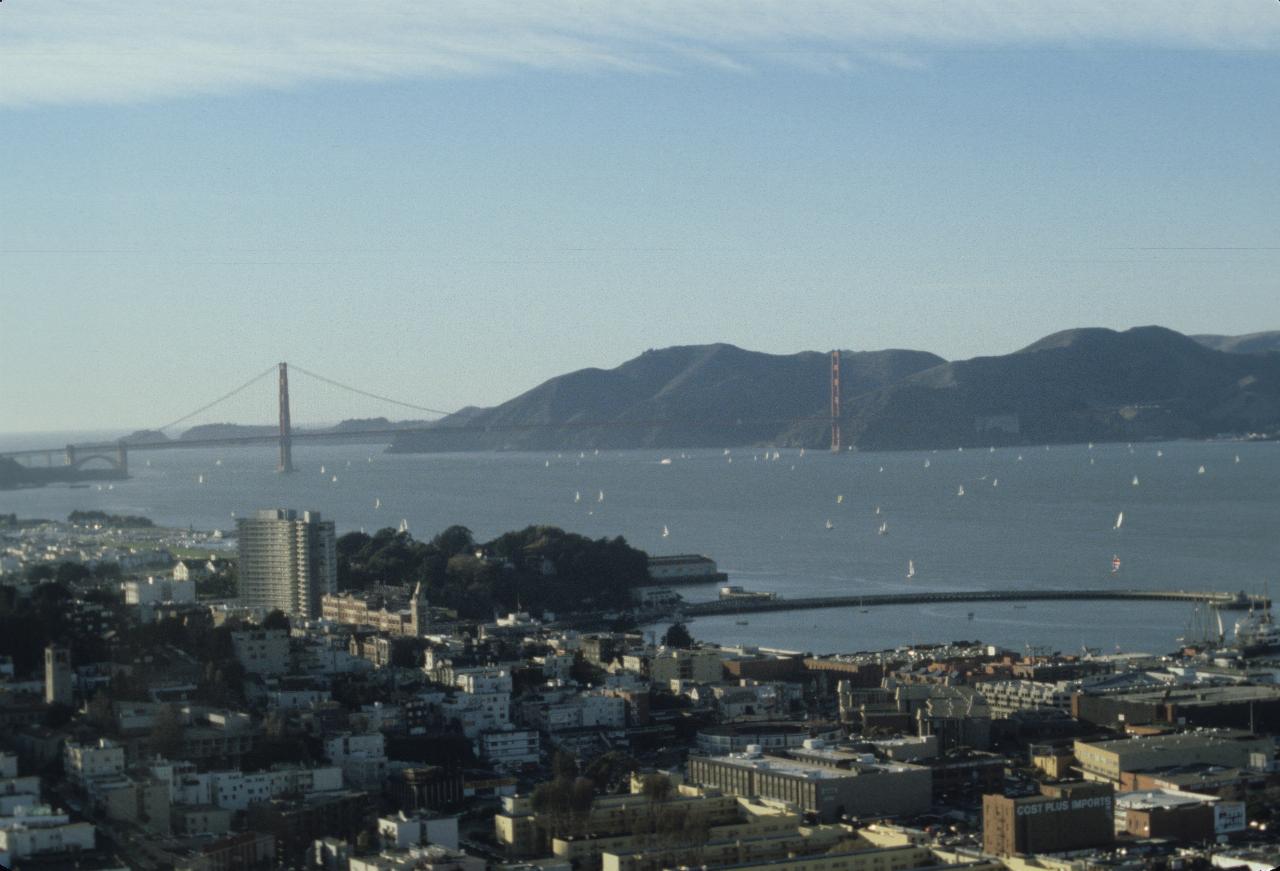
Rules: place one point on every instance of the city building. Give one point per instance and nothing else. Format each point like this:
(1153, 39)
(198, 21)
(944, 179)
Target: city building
(829, 788)
(390, 610)
(1068, 816)
(58, 687)
(287, 561)
(1108, 760)
(684, 568)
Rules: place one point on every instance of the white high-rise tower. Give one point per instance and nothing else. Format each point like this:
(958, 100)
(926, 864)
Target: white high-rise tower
(287, 561)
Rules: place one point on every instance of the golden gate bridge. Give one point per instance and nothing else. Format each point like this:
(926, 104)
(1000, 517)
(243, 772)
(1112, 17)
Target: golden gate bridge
(111, 458)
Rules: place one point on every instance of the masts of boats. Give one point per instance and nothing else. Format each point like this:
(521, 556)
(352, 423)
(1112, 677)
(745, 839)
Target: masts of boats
(884, 528)
(911, 569)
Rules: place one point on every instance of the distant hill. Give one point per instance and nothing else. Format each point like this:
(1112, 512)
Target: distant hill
(1073, 386)
(688, 396)
(1077, 385)
(1252, 343)
(226, 431)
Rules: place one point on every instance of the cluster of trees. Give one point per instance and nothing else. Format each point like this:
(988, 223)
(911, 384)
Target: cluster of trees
(27, 624)
(122, 520)
(539, 568)
(70, 573)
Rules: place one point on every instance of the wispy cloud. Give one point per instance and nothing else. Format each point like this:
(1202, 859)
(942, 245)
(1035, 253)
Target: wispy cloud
(87, 51)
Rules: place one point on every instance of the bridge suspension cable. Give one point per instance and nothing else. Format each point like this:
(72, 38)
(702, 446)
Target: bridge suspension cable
(255, 379)
(339, 384)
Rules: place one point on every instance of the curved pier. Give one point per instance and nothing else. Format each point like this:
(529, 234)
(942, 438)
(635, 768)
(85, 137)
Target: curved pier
(1227, 601)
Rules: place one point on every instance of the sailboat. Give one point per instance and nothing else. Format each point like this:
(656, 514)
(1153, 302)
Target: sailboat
(884, 528)
(199, 480)
(926, 463)
(665, 531)
(322, 470)
(995, 482)
(911, 569)
(877, 510)
(1119, 520)
(149, 462)
(1115, 564)
(577, 496)
(665, 461)
(546, 464)
(334, 479)
(1159, 453)
(1019, 458)
(960, 490)
(1200, 471)
(802, 452)
(600, 498)
(1135, 480)
(1237, 459)
(404, 524)
(377, 503)
(830, 525)
(839, 498)
(217, 462)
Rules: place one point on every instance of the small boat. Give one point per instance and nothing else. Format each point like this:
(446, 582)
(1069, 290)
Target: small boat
(111, 486)
(992, 449)
(1159, 453)
(960, 490)
(926, 463)
(370, 460)
(577, 496)
(1115, 564)
(600, 498)
(970, 615)
(1237, 460)
(830, 525)
(1200, 471)
(911, 569)
(882, 468)
(1019, 458)
(322, 470)
(1135, 480)
(404, 524)
(1119, 520)
(217, 462)
(546, 464)
(1090, 445)
(377, 503)
(743, 622)
(665, 532)
(582, 455)
(665, 461)
(884, 528)
(726, 452)
(149, 463)
(839, 498)
(334, 479)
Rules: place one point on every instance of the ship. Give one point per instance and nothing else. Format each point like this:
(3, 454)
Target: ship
(1257, 633)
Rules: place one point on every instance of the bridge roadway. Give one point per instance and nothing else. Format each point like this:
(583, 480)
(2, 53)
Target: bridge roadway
(746, 605)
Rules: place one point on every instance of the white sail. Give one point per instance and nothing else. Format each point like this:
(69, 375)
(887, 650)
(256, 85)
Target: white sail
(377, 503)
(911, 569)
(960, 490)
(577, 496)
(830, 525)
(995, 482)
(665, 531)
(404, 524)
(600, 498)
(1200, 471)
(839, 498)
(884, 528)
(1119, 520)
(1135, 480)
(322, 470)
(926, 464)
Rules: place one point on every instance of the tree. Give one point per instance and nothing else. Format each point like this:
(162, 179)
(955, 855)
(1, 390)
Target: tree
(454, 540)
(564, 766)
(677, 636)
(166, 732)
(277, 619)
(656, 787)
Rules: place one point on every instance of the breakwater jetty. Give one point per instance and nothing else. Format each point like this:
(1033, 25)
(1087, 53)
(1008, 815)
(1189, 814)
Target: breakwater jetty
(1223, 600)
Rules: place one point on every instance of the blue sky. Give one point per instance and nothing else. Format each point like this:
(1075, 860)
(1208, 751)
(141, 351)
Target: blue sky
(450, 203)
